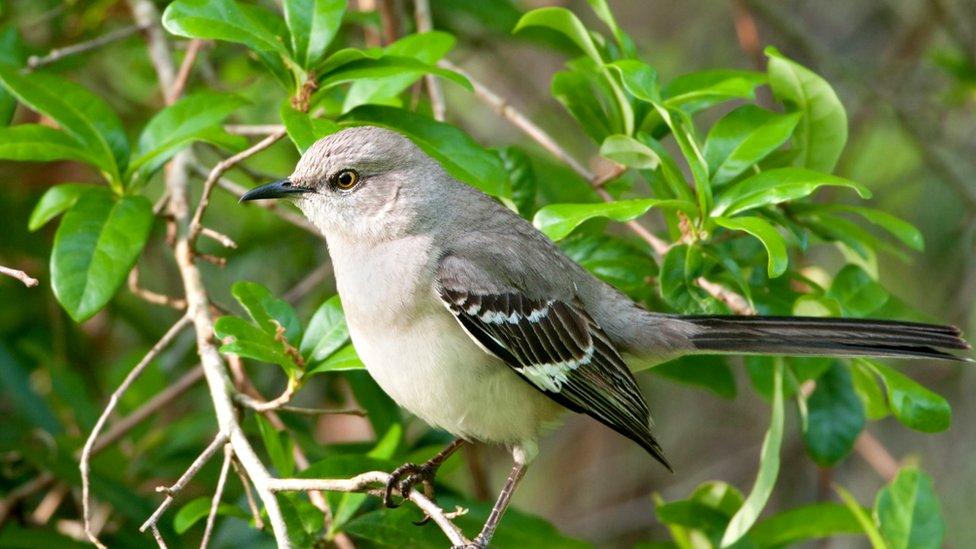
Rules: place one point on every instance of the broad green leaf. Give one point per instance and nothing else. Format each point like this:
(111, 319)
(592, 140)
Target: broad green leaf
(858, 293)
(625, 265)
(564, 22)
(639, 79)
(384, 449)
(699, 90)
(197, 509)
(558, 220)
(278, 445)
(312, 25)
(326, 332)
(196, 117)
(871, 394)
(769, 461)
(710, 372)
(904, 231)
(21, 394)
(859, 513)
(460, 155)
(267, 311)
(385, 67)
(693, 515)
(522, 177)
(11, 53)
(814, 521)
(822, 132)
(913, 405)
(680, 269)
(602, 10)
(908, 513)
(580, 93)
(682, 129)
(54, 202)
(95, 247)
(344, 359)
(79, 112)
(226, 20)
(428, 48)
(630, 152)
(742, 138)
(249, 341)
(304, 130)
(835, 417)
(37, 143)
(775, 186)
(774, 243)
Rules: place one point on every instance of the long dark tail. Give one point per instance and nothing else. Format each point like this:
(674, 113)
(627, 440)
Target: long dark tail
(841, 337)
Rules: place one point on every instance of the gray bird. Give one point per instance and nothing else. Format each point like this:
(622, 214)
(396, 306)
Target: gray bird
(474, 321)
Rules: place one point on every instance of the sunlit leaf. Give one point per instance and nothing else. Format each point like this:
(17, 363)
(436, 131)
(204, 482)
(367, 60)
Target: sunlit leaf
(814, 521)
(775, 186)
(312, 25)
(767, 234)
(326, 332)
(908, 513)
(558, 220)
(630, 152)
(744, 137)
(913, 405)
(267, 311)
(227, 20)
(304, 130)
(54, 202)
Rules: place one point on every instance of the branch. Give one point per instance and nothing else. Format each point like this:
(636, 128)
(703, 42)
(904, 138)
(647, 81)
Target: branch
(253, 129)
(434, 91)
(28, 280)
(179, 83)
(151, 296)
(218, 492)
(86, 452)
(58, 54)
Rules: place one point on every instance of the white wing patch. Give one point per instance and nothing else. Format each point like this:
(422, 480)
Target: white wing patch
(552, 376)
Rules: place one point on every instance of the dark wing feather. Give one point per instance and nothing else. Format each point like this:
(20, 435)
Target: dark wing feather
(557, 348)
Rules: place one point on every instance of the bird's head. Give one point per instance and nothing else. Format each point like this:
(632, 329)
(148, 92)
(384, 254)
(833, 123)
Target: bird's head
(363, 183)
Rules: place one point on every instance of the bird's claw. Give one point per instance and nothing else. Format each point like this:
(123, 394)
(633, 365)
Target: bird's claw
(404, 478)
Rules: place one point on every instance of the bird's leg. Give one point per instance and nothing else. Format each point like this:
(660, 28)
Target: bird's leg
(406, 476)
(501, 504)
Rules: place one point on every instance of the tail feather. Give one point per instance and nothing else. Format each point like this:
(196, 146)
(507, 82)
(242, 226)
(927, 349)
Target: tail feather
(842, 337)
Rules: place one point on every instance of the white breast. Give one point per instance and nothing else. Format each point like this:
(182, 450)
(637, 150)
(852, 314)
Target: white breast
(419, 355)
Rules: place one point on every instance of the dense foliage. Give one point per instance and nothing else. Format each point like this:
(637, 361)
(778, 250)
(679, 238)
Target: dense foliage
(734, 169)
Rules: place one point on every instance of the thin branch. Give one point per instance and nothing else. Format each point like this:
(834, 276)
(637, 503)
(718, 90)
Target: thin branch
(158, 537)
(147, 17)
(28, 280)
(876, 455)
(218, 493)
(273, 404)
(23, 491)
(251, 504)
(183, 76)
(434, 91)
(253, 129)
(151, 296)
(219, 170)
(58, 54)
(219, 237)
(86, 452)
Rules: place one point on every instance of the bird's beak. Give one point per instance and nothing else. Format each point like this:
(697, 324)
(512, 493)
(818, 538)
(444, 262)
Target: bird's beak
(275, 189)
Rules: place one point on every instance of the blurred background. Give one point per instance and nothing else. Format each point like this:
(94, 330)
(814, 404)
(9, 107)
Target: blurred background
(905, 70)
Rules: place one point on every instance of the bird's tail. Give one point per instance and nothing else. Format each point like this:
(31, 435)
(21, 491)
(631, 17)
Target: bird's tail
(841, 337)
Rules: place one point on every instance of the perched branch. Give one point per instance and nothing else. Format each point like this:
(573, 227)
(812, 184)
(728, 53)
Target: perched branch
(28, 280)
(58, 54)
(86, 452)
(219, 237)
(218, 493)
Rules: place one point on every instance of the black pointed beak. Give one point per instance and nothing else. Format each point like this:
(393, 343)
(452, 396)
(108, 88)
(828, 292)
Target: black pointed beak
(275, 189)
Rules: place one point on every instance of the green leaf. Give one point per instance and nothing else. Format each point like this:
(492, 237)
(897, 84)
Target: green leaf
(710, 372)
(522, 178)
(558, 220)
(699, 90)
(37, 143)
(769, 461)
(681, 267)
(304, 130)
(814, 521)
(639, 79)
(387, 66)
(79, 112)
(602, 10)
(822, 132)
(744, 137)
(835, 417)
(774, 243)
(858, 293)
(266, 310)
(625, 265)
(908, 513)
(198, 509)
(54, 202)
(564, 22)
(226, 20)
(428, 48)
(582, 92)
(326, 332)
(915, 406)
(95, 247)
(196, 117)
(11, 53)
(899, 228)
(872, 396)
(312, 25)
(778, 185)
(278, 450)
(252, 342)
(460, 155)
(859, 513)
(630, 152)
(344, 359)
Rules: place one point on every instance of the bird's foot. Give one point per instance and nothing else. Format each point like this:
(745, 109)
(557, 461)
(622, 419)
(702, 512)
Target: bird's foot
(404, 478)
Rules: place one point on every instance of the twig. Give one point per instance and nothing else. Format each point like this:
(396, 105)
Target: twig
(147, 17)
(253, 129)
(26, 489)
(179, 83)
(251, 504)
(367, 482)
(434, 91)
(28, 280)
(876, 455)
(151, 296)
(58, 54)
(219, 170)
(273, 404)
(218, 493)
(50, 503)
(279, 405)
(158, 537)
(223, 239)
(86, 452)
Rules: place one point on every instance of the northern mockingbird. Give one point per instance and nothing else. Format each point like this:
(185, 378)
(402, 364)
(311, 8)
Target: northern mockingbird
(474, 321)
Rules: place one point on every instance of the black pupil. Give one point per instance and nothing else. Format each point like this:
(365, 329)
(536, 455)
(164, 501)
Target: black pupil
(345, 179)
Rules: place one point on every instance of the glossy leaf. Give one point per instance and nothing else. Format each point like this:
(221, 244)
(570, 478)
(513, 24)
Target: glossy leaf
(778, 185)
(872, 396)
(343, 360)
(908, 513)
(278, 445)
(304, 130)
(385, 67)
(774, 243)
(37, 143)
(699, 90)
(580, 92)
(226, 20)
(95, 247)
(680, 269)
(460, 155)
(558, 220)
(326, 332)
(54, 202)
(822, 132)
(630, 152)
(197, 509)
(744, 137)
(312, 25)
(814, 521)
(835, 417)
(913, 405)
(564, 22)
(249, 341)
(768, 468)
(639, 79)
(904, 231)
(626, 266)
(267, 311)
(522, 178)
(11, 53)
(858, 293)
(196, 117)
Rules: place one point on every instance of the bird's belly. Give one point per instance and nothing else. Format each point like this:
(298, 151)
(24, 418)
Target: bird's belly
(431, 367)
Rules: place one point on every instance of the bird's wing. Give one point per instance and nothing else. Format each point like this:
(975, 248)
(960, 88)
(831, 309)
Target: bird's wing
(552, 344)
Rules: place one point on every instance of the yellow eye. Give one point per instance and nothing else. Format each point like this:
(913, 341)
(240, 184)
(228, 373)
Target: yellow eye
(346, 179)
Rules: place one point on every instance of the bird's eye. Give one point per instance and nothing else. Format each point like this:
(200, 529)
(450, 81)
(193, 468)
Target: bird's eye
(346, 179)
